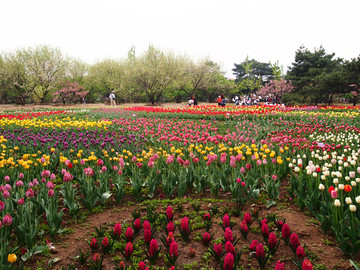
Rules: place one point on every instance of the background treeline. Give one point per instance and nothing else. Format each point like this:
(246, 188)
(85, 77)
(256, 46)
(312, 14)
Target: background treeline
(44, 74)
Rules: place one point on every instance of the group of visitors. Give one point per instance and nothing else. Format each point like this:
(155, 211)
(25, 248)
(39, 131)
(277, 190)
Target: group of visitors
(221, 100)
(192, 101)
(253, 99)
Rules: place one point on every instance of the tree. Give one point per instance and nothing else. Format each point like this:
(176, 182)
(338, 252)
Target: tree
(154, 73)
(76, 70)
(251, 74)
(16, 85)
(181, 86)
(104, 77)
(352, 75)
(331, 84)
(70, 93)
(307, 66)
(204, 76)
(219, 85)
(46, 68)
(276, 88)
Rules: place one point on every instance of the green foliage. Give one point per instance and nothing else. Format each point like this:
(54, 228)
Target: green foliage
(251, 75)
(310, 74)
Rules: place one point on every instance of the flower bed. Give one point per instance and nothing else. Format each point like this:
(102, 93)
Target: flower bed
(60, 167)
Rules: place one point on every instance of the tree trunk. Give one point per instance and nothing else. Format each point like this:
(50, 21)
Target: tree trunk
(152, 99)
(22, 101)
(210, 98)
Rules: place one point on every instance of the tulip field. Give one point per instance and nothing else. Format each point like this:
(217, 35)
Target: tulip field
(202, 187)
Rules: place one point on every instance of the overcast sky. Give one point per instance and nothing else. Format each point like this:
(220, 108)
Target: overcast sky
(226, 31)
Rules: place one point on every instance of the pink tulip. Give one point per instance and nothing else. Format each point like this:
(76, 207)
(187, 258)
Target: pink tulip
(21, 201)
(51, 193)
(6, 194)
(29, 193)
(7, 220)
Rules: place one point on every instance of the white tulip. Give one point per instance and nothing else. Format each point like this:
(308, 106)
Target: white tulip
(337, 203)
(352, 208)
(357, 199)
(348, 200)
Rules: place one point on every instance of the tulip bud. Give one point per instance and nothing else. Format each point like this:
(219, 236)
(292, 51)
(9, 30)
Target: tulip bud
(357, 199)
(337, 203)
(7, 220)
(352, 208)
(51, 193)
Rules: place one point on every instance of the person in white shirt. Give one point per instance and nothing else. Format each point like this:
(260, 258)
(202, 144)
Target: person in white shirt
(112, 99)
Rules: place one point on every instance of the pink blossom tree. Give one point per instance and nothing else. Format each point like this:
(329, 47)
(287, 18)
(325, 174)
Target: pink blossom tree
(276, 88)
(70, 93)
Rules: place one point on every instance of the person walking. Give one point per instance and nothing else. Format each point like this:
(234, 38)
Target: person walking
(112, 99)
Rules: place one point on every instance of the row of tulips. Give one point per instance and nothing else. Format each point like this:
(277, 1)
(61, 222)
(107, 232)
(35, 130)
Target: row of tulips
(223, 249)
(35, 114)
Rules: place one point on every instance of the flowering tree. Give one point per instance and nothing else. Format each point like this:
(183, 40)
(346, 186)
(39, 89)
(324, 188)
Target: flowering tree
(70, 93)
(276, 88)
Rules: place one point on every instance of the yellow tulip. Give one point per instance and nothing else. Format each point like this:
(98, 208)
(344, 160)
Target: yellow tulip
(12, 258)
